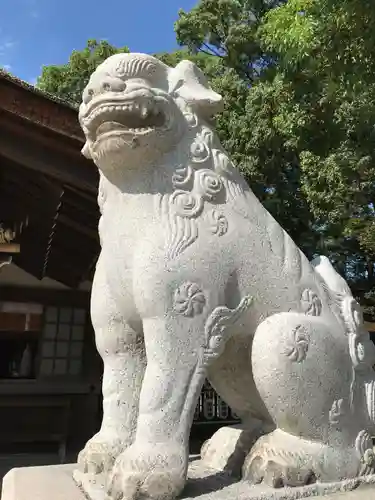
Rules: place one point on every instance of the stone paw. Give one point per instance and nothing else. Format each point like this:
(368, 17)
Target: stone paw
(278, 475)
(152, 471)
(100, 453)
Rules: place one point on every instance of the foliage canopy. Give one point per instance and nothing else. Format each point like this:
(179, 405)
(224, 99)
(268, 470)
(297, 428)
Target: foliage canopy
(298, 82)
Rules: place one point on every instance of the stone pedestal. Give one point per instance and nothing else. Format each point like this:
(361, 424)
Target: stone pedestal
(50, 482)
(56, 482)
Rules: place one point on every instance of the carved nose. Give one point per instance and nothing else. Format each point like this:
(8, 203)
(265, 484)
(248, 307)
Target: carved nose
(112, 85)
(107, 85)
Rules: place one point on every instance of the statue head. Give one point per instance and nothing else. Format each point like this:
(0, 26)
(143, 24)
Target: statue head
(136, 109)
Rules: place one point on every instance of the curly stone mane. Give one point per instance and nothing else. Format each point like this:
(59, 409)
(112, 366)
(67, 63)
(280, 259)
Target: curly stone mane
(202, 183)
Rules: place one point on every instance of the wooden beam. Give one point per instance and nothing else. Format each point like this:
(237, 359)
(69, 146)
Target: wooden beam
(73, 244)
(92, 200)
(32, 105)
(26, 180)
(67, 267)
(64, 276)
(76, 171)
(77, 252)
(84, 203)
(32, 255)
(17, 201)
(80, 215)
(45, 296)
(9, 248)
(66, 221)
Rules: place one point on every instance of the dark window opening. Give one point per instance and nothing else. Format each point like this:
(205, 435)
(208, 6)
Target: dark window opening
(18, 352)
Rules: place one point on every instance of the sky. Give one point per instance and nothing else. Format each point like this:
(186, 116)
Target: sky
(34, 33)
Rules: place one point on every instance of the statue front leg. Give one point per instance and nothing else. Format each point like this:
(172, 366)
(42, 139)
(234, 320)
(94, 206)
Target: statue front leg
(156, 463)
(122, 379)
(180, 344)
(122, 350)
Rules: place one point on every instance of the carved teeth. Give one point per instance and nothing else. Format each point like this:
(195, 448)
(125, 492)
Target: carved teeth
(143, 111)
(134, 117)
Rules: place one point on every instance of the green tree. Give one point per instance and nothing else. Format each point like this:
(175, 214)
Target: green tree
(326, 70)
(68, 80)
(225, 33)
(298, 117)
(228, 29)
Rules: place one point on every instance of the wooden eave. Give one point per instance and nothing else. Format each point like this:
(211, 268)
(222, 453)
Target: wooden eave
(45, 181)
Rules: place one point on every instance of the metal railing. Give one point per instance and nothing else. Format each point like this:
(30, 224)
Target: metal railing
(211, 409)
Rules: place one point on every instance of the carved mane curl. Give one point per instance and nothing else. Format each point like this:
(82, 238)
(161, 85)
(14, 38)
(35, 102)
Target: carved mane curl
(202, 183)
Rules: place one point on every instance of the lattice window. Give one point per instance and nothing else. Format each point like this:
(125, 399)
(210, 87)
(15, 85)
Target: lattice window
(63, 341)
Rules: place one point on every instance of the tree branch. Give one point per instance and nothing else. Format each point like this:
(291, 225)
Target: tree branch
(214, 52)
(205, 52)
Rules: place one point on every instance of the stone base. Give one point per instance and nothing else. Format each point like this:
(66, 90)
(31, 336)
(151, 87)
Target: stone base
(48, 482)
(55, 482)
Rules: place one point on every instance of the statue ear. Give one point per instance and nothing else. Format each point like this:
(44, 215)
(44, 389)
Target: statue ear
(186, 80)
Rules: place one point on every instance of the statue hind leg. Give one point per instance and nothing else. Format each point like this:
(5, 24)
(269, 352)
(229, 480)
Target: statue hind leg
(303, 372)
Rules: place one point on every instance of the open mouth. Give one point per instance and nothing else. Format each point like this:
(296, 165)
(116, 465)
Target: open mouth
(132, 117)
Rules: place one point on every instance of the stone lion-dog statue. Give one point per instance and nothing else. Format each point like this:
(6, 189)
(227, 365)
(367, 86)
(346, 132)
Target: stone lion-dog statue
(196, 279)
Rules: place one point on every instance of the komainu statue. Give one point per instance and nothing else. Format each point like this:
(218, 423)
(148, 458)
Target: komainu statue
(196, 279)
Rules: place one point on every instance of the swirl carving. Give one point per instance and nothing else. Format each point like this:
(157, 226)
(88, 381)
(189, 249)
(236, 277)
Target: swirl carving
(368, 461)
(218, 223)
(311, 303)
(365, 452)
(195, 181)
(208, 183)
(186, 204)
(189, 299)
(299, 345)
(199, 151)
(182, 176)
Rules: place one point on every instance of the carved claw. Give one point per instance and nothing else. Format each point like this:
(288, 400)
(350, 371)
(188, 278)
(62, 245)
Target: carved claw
(99, 454)
(276, 474)
(279, 476)
(148, 471)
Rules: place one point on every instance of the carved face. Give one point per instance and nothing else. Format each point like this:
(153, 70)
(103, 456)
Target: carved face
(130, 113)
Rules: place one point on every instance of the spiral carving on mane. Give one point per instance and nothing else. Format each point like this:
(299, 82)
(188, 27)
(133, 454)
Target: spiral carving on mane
(205, 182)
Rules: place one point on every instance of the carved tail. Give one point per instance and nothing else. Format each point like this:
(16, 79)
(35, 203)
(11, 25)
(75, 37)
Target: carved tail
(330, 277)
